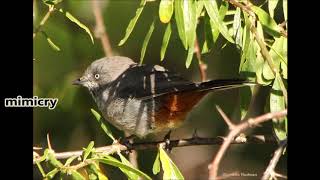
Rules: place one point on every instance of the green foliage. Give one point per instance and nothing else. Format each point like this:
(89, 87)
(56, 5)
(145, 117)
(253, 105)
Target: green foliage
(104, 127)
(170, 170)
(52, 8)
(146, 41)
(75, 20)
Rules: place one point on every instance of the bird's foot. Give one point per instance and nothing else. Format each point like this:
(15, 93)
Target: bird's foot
(166, 139)
(127, 141)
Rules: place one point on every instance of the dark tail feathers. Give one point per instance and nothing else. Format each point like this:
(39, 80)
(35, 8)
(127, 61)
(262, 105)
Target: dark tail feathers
(224, 84)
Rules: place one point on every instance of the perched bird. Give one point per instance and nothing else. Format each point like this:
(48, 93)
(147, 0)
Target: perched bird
(145, 99)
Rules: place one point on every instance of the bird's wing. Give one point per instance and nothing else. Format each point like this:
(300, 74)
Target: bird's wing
(146, 81)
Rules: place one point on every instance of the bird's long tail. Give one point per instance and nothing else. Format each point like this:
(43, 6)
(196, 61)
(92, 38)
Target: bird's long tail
(224, 84)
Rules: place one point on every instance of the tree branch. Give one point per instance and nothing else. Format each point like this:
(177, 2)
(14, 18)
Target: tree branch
(213, 167)
(261, 43)
(44, 20)
(110, 149)
(100, 31)
(274, 161)
(202, 66)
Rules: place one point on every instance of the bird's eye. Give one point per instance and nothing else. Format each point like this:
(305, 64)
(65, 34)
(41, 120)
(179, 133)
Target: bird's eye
(97, 76)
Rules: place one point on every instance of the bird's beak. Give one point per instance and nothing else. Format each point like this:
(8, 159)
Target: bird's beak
(79, 81)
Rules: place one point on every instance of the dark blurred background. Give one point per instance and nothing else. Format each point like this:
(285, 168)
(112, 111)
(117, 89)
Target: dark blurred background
(71, 124)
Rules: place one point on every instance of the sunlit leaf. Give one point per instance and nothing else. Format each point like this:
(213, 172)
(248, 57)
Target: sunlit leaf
(146, 41)
(222, 13)
(75, 20)
(52, 2)
(94, 172)
(113, 162)
(284, 70)
(178, 11)
(88, 150)
(69, 160)
(246, 41)
(277, 103)
(189, 56)
(190, 21)
(130, 174)
(156, 164)
(285, 9)
(165, 10)
(170, 170)
(103, 125)
(267, 22)
(133, 22)
(237, 29)
(76, 175)
(52, 173)
(200, 6)
(212, 10)
(165, 41)
(272, 4)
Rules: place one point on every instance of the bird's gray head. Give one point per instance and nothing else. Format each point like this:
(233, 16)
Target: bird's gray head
(104, 71)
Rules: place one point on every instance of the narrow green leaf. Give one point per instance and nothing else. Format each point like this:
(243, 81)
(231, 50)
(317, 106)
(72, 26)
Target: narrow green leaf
(88, 150)
(165, 10)
(156, 164)
(190, 21)
(76, 175)
(189, 56)
(246, 41)
(267, 22)
(165, 41)
(103, 125)
(212, 10)
(199, 8)
(178, 10)
(284, 70)
(52, 173)
(285, 9)
(51, 2)
(40, 169)
(208, 42)
(69, 160)
(53, 160)
(272, 4)
(146, 41)
(116, 163)
(75, 20)
(95, 173)
(130, 174)
(267, 72)
(133, 22)
(237, 29)
(277, 103)
(52, 45)
(222, 13)
(170, 170)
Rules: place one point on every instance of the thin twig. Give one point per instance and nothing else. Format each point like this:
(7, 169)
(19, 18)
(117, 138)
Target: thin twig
(213, 167)
(44, 20)
(100, 31)
(202, 65)
(261, 43)
(110, 149)
(269, 172)
(225, 118)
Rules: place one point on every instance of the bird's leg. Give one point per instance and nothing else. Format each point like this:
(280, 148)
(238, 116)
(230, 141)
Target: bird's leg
(168, 147)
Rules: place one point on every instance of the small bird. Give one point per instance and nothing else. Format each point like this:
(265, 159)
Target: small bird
(145, 99)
